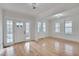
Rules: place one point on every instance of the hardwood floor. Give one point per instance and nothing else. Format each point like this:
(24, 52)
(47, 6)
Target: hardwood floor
(43, 47)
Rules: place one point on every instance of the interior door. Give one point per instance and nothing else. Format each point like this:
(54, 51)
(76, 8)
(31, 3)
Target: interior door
(22, 31)
(15, 32)
(19, 31)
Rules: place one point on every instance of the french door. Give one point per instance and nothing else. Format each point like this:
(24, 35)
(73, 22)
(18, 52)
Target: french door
(22, 31)
(16, 32)
(8, 33)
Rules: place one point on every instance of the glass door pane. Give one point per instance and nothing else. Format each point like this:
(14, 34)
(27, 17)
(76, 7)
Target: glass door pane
(44, 27)
(27, 30)
(9, 31)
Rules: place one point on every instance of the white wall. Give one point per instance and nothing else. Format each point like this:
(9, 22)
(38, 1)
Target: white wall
(25, 18)
(50, 22)
(1, 35)
(75, 34)
(15, 17)
(41, 34)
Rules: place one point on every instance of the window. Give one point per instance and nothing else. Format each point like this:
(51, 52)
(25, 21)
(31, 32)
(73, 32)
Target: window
(27, 27)
(41, 26)
(9, 31)
(57, 27)
(68, 27)
(44, 27)
(27, 30)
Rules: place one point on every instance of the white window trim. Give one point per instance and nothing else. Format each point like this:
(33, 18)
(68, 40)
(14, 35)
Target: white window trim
(65, 27)
(57, 27)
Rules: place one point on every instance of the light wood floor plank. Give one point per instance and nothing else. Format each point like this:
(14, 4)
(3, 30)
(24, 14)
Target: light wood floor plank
(43, 47)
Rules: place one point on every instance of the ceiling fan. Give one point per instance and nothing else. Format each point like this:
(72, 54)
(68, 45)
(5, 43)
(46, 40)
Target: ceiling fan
(34, 5)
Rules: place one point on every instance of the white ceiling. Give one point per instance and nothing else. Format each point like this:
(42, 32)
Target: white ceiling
(42, 10)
